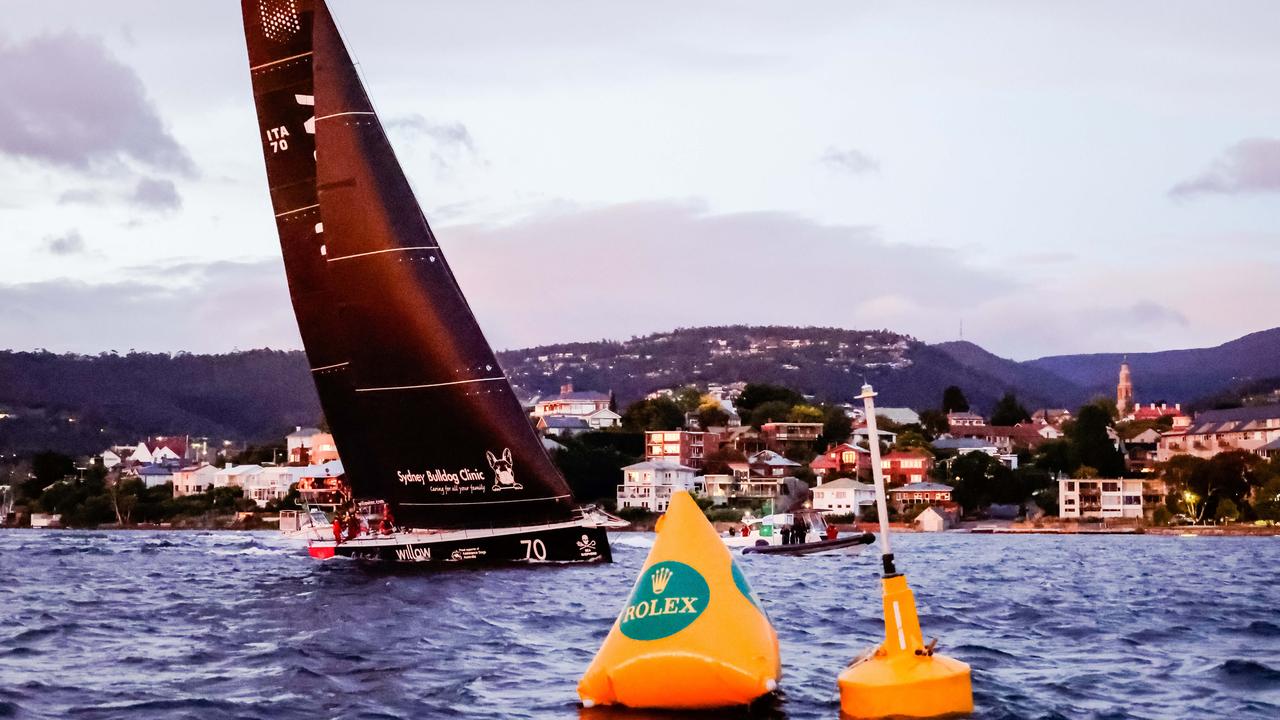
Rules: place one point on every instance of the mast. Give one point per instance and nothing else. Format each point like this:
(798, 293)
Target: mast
(429, 421)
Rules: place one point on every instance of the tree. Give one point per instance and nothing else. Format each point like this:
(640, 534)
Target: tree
(771, 411)
(980, 479)
(756, 394)
(688, 398)
(953, 400)
(1008, 411)
(1267, 504)
(836, 426)
(804, 413)
(1227, 511)
(657, 414)
(1093, 444)
(592, 471)
(911, 440)
(934, 422)
(123, 493)
(1058, 456)
(712, 416)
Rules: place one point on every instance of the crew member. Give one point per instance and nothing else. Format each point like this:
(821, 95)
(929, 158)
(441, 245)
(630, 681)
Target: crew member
(832, 532)
(337, 528)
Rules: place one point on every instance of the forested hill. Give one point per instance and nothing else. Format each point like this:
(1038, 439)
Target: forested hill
(79, 403)
(828, 363)
(84, 403)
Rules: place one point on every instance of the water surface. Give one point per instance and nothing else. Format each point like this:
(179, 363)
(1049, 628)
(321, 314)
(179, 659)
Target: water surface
(245, 625)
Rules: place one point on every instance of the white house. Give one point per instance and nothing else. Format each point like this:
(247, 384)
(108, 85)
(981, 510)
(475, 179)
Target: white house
(193, 480)
(931, 520)
(843, 495)
(723, 488)
(110, 459)
(649, 484)
(579, 403)
(154, 475)
(235, 475)
(273, 483)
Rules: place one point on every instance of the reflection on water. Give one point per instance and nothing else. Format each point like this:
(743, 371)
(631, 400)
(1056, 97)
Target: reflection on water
(200, 625)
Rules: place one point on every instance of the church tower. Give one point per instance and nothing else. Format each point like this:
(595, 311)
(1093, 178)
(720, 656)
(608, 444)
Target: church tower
(1124, 390)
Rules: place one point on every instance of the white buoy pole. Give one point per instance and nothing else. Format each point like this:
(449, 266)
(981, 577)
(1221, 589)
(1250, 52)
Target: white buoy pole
(882, 505)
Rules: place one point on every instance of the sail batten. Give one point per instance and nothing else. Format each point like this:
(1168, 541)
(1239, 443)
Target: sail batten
(420, 410)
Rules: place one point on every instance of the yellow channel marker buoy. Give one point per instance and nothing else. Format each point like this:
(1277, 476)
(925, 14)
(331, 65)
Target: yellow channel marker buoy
(692, 635)
(902, 677)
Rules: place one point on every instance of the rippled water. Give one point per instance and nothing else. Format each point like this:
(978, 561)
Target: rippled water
(211, 624)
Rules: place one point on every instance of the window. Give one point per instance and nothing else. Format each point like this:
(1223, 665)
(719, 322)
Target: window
(1110, 487)
(1071, 487)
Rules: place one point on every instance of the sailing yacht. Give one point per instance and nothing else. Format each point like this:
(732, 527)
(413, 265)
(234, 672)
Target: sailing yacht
(424, 418)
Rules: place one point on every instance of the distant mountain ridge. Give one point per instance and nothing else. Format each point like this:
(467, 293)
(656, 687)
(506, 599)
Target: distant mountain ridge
(81, 403)
(1174, 375)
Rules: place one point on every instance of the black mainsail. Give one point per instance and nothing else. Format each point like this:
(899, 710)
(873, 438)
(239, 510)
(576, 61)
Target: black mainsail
(422, 414)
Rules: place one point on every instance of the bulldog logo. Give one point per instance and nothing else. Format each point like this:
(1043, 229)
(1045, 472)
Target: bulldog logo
(504, 477)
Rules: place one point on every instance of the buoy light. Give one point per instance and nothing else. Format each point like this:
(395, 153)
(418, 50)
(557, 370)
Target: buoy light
(902, 676)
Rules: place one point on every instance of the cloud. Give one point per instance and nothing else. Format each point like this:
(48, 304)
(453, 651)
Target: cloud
(156, 194)
(634, 268)
(1249, 166)
(850, 161)
(69, 243)
(451, 142)
(199, 307)
(69, 103)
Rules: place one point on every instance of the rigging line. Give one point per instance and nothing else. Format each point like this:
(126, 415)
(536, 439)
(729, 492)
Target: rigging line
(277, 62)
(297, 210)
(352, 112)
(431, 385)
(387, 250)
(488, 502)
(329, 367)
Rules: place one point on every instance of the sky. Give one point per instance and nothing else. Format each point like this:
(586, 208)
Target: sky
(1050, 177)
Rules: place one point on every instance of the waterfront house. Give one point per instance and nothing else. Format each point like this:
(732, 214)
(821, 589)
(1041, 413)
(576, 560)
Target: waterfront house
(861, 435)
(234, 475)
(906, 466)
(922, 493)
(649, 484)
(193, 480)
(306, 446)
(738, 486)
(843, 495)
(684, 447)
(273, 483)
(839, 459)
(154, 475)
(1215, 431)
(1109, 497)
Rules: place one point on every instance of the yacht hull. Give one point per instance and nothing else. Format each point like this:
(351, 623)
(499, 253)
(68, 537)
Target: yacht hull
(570, 542)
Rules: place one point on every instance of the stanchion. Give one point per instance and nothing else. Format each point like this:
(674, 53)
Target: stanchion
(902, 676)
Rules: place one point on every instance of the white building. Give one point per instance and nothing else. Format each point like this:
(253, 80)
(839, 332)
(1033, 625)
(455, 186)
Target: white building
(900, 415)
(649, 484)
(235, 475)
(843, 495)
(110, 459)
(193, 480)
(1108, 498)
(723, 488)
(273, 483)
(154, 475)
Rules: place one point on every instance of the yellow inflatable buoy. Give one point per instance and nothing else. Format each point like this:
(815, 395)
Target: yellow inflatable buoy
(692, 635)
(902, 677)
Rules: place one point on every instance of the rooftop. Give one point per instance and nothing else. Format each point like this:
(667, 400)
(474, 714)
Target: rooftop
(922, 487)
(845, 484)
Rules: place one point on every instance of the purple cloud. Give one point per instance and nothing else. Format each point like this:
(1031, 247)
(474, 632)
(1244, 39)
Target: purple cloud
(69, 243)
(1251, 165)
(850, 161)
(156, 194)
(68, 102)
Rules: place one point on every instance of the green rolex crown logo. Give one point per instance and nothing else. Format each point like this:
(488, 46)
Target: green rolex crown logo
(667, 599)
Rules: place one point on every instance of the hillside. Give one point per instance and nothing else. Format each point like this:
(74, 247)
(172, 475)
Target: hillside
(1174, 375)
(828, 363)
(1028, 379)
(78, 403)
